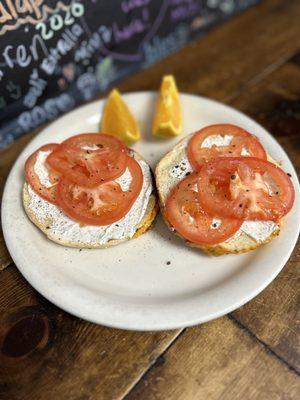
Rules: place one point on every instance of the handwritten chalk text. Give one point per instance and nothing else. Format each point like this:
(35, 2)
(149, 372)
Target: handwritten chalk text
(46, 112)
(129, 5)
(160, 47)
(184, 9)
(135, 27)
(37, 87)
(57, 21)
(22, 56)
(14, 14)
(67, 42)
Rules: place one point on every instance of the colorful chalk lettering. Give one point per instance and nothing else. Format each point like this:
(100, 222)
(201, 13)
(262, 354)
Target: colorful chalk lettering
(55, 54)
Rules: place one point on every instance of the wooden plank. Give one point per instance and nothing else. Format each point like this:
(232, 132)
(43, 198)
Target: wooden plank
(46, 353)
(218, 360)
(5, 258)
(275, 104)
(7, 158)
(273, 316)
(239, 52)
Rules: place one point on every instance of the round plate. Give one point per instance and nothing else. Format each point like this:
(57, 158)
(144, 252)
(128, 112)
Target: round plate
(154, 282)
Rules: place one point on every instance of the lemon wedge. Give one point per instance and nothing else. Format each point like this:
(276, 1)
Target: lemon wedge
(167, 121)
(117, 119)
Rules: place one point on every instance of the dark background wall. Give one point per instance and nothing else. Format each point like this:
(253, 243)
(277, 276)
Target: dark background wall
(57, 54)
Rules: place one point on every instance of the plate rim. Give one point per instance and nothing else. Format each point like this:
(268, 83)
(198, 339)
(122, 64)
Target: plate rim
(157, 326)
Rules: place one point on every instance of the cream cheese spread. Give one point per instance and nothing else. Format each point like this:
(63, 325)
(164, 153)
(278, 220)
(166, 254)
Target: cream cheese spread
(219, 140)
(259, 230)
(124, 180)
(216, 140)
(40, 168)
(181, 169)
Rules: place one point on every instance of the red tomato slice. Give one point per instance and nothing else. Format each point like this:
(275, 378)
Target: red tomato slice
(242, 140)
(89, 159)
(102, 205)
(186, 215)
(47, 193)
(246, 188)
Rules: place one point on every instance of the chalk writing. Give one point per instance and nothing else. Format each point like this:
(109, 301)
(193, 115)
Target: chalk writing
(12, 15)
(46, 112)
(68, 72)
(57, 21)
(126, 32)
(88, 48)
(184, 9)
(160, 47)
(14, 90)
(37, 86)
(21, 55)
(88, 85)
(226, 6)
(66, 43)
(2, 102)
(129, 5)
(66, 51)
(105, 33)
(106, 72)
(137, 56)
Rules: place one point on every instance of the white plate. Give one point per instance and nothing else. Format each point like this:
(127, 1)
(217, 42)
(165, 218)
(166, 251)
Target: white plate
(131, 286)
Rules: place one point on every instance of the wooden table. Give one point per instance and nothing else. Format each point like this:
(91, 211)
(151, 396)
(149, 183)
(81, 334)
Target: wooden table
(253, 63)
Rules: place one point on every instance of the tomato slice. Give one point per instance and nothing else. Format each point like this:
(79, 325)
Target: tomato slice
(46, 191)
(102, 205)
(236, 142)
(246, 188)
(89, 159)
(186, 215)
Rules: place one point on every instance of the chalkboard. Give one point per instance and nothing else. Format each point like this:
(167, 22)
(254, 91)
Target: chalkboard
(56, 54)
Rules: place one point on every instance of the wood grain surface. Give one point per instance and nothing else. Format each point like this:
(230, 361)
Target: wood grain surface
(218, 360)
(253, 63)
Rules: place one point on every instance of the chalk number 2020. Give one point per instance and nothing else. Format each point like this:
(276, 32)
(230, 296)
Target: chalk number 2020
(57, 21)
